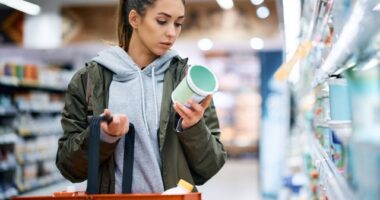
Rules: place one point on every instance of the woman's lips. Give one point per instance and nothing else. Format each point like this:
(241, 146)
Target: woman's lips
(166, 44)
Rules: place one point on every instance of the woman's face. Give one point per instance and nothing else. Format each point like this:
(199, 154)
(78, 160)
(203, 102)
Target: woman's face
(159, 28)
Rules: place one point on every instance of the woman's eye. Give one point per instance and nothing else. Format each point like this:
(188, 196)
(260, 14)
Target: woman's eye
(161, 22)
(178, 24)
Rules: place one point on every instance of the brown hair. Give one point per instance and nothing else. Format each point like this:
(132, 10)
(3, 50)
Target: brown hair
(124, 29)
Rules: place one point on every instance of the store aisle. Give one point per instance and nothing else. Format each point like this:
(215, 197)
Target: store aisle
(238, 180)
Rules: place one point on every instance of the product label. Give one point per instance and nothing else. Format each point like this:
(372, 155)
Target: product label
(197, 98)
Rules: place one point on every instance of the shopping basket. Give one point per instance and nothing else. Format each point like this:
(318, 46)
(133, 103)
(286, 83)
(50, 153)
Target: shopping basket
(92, 182)
(82, 196)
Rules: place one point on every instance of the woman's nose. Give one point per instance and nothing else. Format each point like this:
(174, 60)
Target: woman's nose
(171, 32)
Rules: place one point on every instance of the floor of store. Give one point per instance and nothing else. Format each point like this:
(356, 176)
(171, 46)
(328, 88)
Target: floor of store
(237, 180)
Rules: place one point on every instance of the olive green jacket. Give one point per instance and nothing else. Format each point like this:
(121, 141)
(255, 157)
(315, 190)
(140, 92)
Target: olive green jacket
(195, 155)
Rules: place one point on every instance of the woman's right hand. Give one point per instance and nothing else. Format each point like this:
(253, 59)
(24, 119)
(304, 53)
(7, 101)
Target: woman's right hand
(119, 125)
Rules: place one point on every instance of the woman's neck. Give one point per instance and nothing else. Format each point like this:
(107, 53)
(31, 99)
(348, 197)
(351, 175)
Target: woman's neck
(140, 54)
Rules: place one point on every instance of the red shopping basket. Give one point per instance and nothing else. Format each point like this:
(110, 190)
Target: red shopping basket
(83, 196)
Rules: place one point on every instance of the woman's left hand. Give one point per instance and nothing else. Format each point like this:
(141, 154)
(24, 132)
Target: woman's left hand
(191, 116)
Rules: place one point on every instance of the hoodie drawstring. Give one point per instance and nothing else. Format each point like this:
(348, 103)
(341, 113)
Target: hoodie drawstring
(155, 96)
(143, 100)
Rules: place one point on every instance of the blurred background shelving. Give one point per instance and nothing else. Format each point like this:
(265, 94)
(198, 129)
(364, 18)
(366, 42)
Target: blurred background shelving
(333, 141)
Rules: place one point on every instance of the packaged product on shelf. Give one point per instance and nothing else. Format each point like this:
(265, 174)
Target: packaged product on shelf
(322, 106)
(8, 69)
(6, 106)
(31, 73)
(340, 109)
(364, 85)
(338, 153)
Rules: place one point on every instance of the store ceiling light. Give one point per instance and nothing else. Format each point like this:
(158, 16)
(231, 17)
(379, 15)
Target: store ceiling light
(263, 12)
(257, 2)
(225, 4)
(205, 44)
(377, 7)
(24, 6)
(257, 43)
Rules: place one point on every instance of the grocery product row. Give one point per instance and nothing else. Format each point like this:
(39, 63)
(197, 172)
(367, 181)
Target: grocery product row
(334, 145)
(29, 130)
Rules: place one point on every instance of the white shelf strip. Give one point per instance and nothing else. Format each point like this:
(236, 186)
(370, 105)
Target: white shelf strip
(335, 184)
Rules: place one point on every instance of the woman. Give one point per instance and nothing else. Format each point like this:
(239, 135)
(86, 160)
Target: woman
(135, 80)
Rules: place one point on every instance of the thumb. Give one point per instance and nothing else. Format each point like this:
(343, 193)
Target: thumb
(206, 102)
(107, 112)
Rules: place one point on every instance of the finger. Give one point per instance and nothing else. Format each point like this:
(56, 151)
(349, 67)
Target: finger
(206, 102)
(124, 124)
(195, 106)
(180, 110)
(118, 127)
(107, 112)
(187, 111)
(104, 127)
(114, 125)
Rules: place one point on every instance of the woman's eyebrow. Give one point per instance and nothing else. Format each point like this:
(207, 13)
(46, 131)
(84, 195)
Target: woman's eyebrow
(167, 15)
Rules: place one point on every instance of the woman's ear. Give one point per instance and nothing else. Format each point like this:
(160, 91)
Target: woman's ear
(134, 19)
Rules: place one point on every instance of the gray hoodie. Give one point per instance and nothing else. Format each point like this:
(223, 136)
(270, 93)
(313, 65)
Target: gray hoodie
(138, 94)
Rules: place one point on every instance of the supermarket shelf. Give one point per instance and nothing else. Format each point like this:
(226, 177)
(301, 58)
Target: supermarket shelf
(14, 112)
(27, 133)
(6, 112)
(33, 184)
(8, 138)
(8, 164)
(12, 83)
(358, 31)
(33, 99)
(321, 124)
(235, 150)
(42, 111)
(335, 184)
(28, 158)
(335, 124)
(8, 193)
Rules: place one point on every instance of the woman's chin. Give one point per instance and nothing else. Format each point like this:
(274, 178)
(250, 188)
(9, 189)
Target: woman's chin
(161, 51)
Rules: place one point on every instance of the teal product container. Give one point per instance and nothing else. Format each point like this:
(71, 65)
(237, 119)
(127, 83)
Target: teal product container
(364, 94)
(364, 90)
(199, 82)
(366, 169)
(340, 109)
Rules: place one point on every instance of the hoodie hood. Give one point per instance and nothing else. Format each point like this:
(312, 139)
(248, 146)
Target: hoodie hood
(125, 69)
